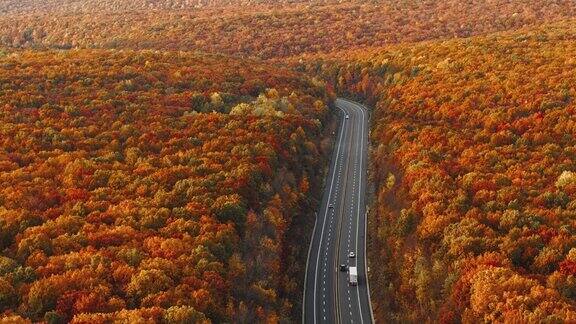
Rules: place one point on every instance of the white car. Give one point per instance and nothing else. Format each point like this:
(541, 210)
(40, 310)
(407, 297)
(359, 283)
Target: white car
(330, 206)
(352, 255)
(347, 116)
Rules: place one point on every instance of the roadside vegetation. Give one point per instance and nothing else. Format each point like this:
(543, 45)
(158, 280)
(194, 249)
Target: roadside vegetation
(473, 159)
(162, 160)
(155, 185)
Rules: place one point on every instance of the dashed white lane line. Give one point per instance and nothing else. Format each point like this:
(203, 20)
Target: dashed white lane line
(350, 219)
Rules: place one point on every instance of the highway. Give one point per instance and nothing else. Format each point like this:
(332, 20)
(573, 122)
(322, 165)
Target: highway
(340, 229)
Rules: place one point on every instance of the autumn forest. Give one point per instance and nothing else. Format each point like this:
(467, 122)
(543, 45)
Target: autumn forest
(163, 161)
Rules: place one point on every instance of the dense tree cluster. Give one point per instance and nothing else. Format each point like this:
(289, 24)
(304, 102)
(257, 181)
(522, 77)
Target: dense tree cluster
(155, 186)
(87, 6)
(263, 30)
(140, 183)
(474, 160)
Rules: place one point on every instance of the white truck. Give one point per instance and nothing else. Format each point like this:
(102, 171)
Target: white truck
(353, 276)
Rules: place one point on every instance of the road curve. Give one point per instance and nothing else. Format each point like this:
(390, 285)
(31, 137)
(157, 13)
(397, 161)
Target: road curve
(340, 229)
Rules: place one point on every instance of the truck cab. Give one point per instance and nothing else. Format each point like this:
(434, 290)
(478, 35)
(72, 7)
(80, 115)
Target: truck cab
(353, 276)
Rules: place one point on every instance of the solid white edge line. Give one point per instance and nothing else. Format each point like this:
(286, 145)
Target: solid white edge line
(306, 271)
(323, 226)
(365, 233)
(361, 140)
(361, 146)
(360, 107)
(358, 210)
(365, 247)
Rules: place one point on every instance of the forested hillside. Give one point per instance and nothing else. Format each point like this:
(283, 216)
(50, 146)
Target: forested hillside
(264, 31)
(161, 161)
(474, 161)
(156, 186)
(87, 6)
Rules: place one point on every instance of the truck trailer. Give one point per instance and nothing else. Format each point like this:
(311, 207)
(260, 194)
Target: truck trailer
(353, 276)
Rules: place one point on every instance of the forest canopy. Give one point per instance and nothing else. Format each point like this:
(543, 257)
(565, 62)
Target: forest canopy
(473, 161)
(263, 30)
(161, 161)
(154, 185)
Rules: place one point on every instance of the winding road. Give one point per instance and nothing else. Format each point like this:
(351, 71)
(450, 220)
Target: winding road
(340, 229)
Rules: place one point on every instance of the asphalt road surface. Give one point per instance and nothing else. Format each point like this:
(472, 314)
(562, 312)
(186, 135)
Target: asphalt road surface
(340, 229)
